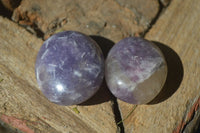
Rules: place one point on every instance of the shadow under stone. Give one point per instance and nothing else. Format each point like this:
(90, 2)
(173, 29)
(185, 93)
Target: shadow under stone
(104, 43)
(173, 81)
(103, 94)
(174, 75)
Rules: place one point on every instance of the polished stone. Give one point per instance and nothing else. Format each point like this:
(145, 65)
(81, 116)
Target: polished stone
(135, 70)
(69, 68)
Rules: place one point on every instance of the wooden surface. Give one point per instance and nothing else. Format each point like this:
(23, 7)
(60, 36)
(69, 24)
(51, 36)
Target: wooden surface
(174, 27)
(178, 28)
(22, 104)
(108, 18)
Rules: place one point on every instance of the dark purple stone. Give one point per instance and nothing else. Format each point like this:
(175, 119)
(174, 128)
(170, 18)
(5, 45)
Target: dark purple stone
(69, 68)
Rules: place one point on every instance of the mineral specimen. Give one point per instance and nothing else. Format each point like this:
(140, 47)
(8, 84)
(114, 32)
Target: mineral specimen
(69, 68)
(135, 70)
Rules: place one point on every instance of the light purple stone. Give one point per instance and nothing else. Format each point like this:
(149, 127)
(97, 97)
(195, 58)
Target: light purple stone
(69, 68)
(135, 70)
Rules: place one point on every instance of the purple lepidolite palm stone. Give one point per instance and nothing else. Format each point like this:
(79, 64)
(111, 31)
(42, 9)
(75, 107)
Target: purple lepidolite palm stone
(135, 70)
(69, 68)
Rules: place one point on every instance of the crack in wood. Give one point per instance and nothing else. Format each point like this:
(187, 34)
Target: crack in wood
(118, 117)
(154, 20)
(17, 123)
(4, 11)
(189, 117)
(5, 128)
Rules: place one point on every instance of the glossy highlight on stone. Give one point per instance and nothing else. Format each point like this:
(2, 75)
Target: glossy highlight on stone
(69, 68)
(135, 70)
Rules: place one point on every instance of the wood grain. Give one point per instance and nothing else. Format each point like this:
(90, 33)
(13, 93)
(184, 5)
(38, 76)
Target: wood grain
(176, 109)
(177, 28)
(113, 19)
(22, 104)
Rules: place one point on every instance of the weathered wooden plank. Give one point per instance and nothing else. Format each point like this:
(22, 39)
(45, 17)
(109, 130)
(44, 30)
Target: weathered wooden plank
(113, 19)
(21, 103)
(178, 28)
